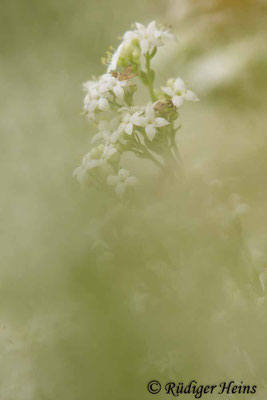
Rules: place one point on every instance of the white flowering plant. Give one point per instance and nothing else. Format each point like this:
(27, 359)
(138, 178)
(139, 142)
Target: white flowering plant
(148, 131)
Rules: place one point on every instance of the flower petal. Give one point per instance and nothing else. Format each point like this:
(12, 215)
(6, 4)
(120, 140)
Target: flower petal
(167, 90)
(177, 101)
(129, 36)
(115, 136)
(129, 128)
(97, 137)
(161, 122)
(109, 150)
(179, 85)
(90, 105)
(119, 92)
(104, 87)
(144, 44)
(103, 104)
(139, 121)
(81, 174)
(115, 58)
(150, 113)
(139, 26)
(89, 85)
(190, 96)
(94, 163)
(151, 27)
(150, 131)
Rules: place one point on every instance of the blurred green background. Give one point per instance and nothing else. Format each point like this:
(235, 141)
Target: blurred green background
(97, 300)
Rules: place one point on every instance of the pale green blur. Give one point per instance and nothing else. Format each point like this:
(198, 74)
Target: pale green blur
(98, 299)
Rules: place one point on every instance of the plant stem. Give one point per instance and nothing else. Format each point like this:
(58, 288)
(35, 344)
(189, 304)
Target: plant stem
(151, 92)
(176, 150)
(150, 79)
(152, 158)
(142, 151)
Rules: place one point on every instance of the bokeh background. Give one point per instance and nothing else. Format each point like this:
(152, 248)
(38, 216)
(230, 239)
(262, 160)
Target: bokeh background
(97, 300)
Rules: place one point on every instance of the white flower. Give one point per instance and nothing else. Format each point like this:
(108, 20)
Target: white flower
(95, 100)
(107, 131)
(109, 83)
(87, 164)
(121, 181)
(142, 40)
(129, 119)
(103, 132)
(97, 157)
(102, 92)
(115, 58)
(108, 151)
(152, 123)
(176, 89)
(150, 37)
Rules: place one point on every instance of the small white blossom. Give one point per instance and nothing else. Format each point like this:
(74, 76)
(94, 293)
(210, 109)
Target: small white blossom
(102, 92)
(97, 157)
(109, 83)
(108, 151)
(129, 119)
(121, 181)
(115, 58)
(112, 131)
(176, 89)
(87, 164)
(107, 131)
(150, 37)
(152, 123)
(95, 100)
(141, 41)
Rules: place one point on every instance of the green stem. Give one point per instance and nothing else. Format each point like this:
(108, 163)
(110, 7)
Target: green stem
(176, 150)
(151, 92)
(150, 79)
(149, 156)
(142, 151)
(152, 158)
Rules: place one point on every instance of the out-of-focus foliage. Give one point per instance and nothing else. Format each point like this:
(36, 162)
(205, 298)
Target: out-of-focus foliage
(98, 298)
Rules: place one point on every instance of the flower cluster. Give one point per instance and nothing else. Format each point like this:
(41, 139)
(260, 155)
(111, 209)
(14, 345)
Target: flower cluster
(138, 44)
(148, 130)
